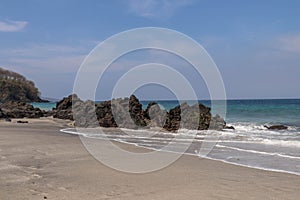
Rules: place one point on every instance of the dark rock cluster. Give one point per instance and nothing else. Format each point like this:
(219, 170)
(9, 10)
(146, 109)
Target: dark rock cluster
(19, 110)
(63, 109)
(128, 113)
(125, 113)
(196, 117)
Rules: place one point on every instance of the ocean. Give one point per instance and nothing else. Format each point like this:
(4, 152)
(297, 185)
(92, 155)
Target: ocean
(44, 105)
(251, 144)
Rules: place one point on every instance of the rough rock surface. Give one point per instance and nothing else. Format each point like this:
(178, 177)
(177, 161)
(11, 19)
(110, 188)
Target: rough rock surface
(123, 113)
(196, 117)
(154, 115)
(19, 110)
(113, 113)
(128, 113)
(63, 109)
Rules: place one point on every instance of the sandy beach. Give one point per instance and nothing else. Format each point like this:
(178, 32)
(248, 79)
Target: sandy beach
(37, 161)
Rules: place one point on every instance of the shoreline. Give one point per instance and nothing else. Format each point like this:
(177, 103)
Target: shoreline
(38, 161)
(66, 131)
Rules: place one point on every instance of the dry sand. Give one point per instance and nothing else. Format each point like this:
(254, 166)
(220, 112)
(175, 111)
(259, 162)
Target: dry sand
(39, 162)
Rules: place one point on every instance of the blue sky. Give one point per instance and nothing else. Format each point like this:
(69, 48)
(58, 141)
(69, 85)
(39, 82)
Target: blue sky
(255, 44)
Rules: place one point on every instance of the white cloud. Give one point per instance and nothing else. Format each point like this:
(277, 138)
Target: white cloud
(289, 43)
(12, 26)
(162, 9)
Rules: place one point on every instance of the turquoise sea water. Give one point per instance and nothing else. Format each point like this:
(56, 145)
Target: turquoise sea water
(44, 106)
(250, 144)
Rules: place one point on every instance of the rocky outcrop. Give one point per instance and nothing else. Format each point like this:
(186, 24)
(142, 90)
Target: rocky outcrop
(104, 114)
(128, 113)
(154, 115)
(123, 113)
(218, 123)
(196, 117)
(63, 109)
(136, 111)
(276, 127)
(84, 113)
(20, 110)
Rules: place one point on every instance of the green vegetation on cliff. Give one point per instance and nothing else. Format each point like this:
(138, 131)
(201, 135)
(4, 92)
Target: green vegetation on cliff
(15, 87)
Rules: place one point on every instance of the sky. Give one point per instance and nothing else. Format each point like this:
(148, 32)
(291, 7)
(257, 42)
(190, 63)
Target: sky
(255, 44)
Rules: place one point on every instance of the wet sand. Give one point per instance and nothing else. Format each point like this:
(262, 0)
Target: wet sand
(37, 161)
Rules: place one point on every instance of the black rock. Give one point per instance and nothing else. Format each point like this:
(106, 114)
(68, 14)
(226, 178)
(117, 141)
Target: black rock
(22, 122)
(229, 127)
(2, 115)
(277, 127)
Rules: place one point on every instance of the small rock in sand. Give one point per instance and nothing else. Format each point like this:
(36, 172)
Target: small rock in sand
(22, 122)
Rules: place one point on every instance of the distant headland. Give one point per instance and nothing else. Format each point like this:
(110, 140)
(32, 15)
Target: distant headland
(15, 87)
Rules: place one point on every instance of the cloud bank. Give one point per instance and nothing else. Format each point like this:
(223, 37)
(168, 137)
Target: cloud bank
(12, 26)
